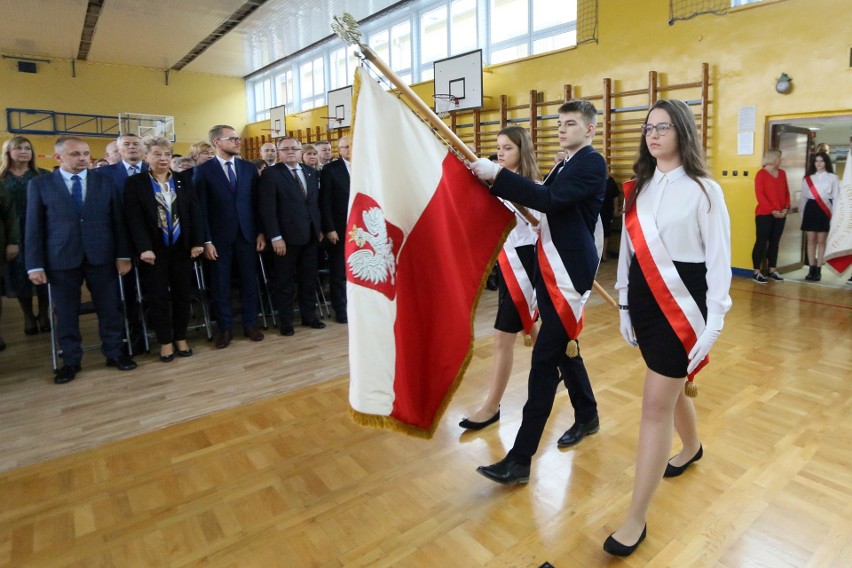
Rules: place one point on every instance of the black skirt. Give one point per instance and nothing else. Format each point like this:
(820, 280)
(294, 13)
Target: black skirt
(508, 319)
(814, 219)
(661, 348)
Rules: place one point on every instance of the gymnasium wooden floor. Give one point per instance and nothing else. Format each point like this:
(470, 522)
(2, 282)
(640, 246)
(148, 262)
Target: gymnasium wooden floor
(246, 457)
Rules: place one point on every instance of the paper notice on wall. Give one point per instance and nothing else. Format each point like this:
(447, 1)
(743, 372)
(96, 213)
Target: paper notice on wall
(745, 143)
(747, 119)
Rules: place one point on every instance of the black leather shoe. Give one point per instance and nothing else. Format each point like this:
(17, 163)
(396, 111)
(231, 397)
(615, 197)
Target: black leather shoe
(122, 363)
(507, 471)
(617, 549)
(674, 470)
(287, 330)
(185, 352)
(471, 425)
(578, 431)
(66, 374)
(316, 324)
(167, 358)
(342, 319)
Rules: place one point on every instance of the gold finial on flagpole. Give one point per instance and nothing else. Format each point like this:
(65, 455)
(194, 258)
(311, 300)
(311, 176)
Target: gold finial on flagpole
(346, 28)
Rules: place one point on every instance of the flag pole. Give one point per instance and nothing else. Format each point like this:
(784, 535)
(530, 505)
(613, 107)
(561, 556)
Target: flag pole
(346, 27)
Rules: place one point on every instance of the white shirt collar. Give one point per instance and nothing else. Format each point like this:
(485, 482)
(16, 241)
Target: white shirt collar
(672, 176)
(67, 175)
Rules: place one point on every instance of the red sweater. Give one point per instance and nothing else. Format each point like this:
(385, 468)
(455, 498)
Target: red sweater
(772, 192)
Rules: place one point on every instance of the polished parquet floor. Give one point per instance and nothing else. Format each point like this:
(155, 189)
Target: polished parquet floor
(246, 457)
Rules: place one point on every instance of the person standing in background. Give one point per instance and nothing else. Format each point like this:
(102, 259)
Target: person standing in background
(770, 215)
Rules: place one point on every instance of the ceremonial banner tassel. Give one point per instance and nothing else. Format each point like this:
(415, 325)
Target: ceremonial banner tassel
(422, 232)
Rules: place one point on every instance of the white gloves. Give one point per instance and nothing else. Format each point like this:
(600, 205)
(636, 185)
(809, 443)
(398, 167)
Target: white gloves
(626, 328)
(702, 347)
(486, 170)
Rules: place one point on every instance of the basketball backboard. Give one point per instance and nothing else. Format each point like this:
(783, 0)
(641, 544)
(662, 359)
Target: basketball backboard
(144, 125)
(340, 107)
(461, 77)
(278, 121)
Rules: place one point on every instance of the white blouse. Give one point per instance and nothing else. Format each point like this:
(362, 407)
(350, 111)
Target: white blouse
(523, 233)
(693, 227)
(826, 185)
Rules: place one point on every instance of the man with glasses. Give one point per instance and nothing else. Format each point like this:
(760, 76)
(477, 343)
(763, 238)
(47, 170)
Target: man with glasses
(334, 203)
(289, 193)
(227, 190)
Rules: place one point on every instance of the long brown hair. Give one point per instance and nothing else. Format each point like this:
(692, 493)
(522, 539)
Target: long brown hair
(6, 159)
(826, 159)
(688, 147)
(521, 138)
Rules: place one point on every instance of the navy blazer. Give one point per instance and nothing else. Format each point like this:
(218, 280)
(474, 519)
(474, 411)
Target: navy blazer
(225, 214)
(285, 210)
(571, 198)
(119, 173)
(59, 237)
(142, 214)
(334, 196)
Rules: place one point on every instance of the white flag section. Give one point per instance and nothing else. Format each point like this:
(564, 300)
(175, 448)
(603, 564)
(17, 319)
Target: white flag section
(838, 246)
(422, 231)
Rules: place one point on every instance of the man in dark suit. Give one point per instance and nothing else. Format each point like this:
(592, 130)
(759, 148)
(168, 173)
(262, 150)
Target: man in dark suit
(75, 232)
(570, 199)
(227, 190)
(289, 193)
(334, 205)
(131, 151)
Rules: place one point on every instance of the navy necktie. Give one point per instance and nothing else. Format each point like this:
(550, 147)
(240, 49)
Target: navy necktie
(77, 191)
(232, 178)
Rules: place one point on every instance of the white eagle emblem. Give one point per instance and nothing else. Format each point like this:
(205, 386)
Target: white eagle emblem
(376, 265)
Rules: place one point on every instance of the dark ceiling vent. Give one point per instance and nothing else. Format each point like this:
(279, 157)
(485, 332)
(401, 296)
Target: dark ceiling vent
(241, 14)
(93, 12)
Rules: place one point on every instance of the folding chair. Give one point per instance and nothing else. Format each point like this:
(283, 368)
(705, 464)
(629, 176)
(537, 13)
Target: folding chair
(323, 305)
(200, 306)
(85, 309)
(265, 295)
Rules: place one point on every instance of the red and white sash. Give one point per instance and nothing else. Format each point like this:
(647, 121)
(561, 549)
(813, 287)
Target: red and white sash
(520, 286)
(817, 197)
(567, 300)
(671, 294)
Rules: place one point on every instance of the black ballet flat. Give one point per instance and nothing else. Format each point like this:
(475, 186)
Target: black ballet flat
(615, 548)
(674, 470)
(184, 352)
(471, 425)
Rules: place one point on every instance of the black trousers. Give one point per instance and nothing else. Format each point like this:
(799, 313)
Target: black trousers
(548, 361)
(296, 269)
(337, 275)
(769, 230)
(167, 290)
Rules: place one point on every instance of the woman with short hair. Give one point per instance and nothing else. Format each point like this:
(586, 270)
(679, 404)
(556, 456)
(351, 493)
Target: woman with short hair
(770, 215)
(164, 218)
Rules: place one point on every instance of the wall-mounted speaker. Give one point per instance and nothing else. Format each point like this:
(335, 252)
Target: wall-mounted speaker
(27, 67)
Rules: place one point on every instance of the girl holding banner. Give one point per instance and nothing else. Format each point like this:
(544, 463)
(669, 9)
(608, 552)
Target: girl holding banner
(674, 277)
(819, 190)
(516, 310)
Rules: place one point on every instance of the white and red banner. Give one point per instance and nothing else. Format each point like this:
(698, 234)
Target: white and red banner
(519, 285)
(838, 246)
(422, 231)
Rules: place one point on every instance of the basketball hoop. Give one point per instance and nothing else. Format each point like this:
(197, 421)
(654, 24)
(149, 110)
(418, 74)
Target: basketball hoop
(445, 104)
(336, 119)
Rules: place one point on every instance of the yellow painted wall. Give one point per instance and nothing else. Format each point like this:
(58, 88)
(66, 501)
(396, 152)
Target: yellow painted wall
(197, 101)
(747, 50)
